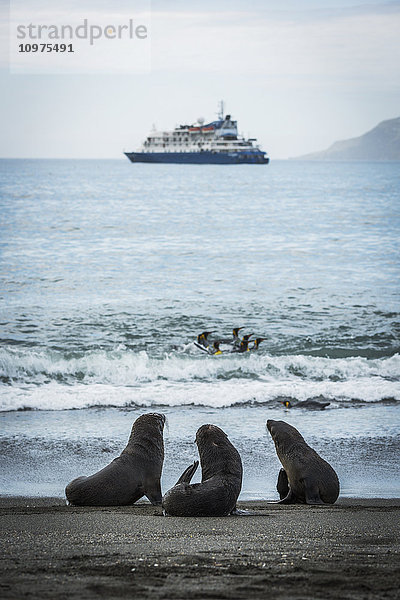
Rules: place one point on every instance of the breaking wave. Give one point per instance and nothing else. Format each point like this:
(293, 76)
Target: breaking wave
(39, 379)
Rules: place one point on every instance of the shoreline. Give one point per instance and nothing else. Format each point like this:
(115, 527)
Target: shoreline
(16, 501)
(347, 550)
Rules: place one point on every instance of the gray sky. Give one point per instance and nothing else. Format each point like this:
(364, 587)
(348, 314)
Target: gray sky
(297, 75)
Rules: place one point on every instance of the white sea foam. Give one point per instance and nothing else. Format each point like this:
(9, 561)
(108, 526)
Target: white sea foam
(55, 396)
(129, 368)
(130, 379)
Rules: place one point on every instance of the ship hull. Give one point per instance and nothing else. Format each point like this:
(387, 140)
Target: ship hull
(199, 158)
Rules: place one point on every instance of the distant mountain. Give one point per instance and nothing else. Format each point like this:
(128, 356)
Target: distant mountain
(381, 143)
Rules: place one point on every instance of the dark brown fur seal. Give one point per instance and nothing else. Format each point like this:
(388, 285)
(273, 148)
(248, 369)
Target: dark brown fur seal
(221, 480)
(306, 478)
(135, 473)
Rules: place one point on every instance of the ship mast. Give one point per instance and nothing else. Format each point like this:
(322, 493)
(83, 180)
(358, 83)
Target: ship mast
(221, 110)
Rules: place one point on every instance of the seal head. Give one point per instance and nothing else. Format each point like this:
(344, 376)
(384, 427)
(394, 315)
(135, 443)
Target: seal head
(135, 473)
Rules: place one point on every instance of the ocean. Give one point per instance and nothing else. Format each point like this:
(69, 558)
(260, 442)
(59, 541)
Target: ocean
(109, 270)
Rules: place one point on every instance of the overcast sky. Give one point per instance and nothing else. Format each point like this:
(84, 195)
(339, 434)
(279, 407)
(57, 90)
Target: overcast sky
(297, 75)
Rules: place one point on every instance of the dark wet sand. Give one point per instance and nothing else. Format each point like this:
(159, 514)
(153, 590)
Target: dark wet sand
(350, 550)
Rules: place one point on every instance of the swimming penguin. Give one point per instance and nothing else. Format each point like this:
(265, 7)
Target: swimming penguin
(202, 338)
(202, 341)
(244, 344)
(310, 404)
(214, 350)
(236, 338)
(257, 342)
(234, 342)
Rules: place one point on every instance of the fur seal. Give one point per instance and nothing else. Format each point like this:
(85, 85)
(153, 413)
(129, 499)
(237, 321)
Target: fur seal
(306, 478)
(221, 480)
(135, 473)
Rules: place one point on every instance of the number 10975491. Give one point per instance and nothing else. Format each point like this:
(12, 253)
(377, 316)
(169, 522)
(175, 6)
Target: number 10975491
(45, 48)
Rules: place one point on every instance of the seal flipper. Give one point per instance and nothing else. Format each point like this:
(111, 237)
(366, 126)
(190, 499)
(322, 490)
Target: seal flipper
(187, 475)
(289, 499)
(152, 491)
(240, 512)
(311, 493)
(137, 495)
(282, 484)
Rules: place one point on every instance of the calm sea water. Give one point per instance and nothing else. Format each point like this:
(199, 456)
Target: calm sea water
(109, 270)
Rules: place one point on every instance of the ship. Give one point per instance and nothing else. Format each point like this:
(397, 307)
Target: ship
(217, 142)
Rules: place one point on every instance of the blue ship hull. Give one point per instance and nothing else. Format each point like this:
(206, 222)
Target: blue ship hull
(200, 158)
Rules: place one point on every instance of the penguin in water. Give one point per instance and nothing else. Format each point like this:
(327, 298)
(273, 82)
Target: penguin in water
(235, 345)
(202, 338)
(308, 404)
(244, 344)
(215, 350)
(236, 338)
(202, 341)
(256, 343)
(234, 342)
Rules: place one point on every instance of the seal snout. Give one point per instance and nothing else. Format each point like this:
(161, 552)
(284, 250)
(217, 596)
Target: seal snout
(270, 423)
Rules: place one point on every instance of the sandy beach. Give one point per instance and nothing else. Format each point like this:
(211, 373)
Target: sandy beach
(349, 550)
